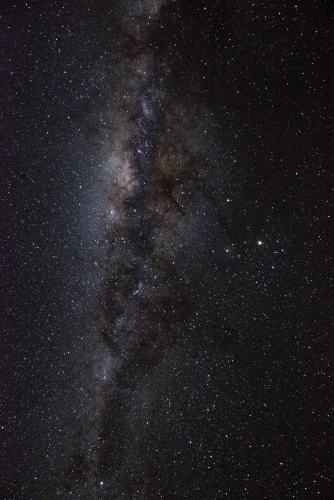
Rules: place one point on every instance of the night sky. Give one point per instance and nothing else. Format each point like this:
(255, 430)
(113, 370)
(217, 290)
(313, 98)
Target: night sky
(166, 249)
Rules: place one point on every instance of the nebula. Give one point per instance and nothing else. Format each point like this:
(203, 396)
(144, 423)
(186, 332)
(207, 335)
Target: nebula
(159, 218)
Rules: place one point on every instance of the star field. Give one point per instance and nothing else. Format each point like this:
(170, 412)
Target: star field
(166, 250)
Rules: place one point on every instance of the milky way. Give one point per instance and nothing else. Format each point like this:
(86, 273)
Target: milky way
(167, 307)
(158, 207)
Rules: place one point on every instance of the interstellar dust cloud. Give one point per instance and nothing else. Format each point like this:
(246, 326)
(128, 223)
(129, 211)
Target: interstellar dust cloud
(161, 222)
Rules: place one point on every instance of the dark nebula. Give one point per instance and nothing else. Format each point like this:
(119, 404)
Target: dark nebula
(167, 250)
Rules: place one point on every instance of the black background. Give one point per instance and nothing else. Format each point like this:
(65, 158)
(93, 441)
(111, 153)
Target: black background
(249, 361)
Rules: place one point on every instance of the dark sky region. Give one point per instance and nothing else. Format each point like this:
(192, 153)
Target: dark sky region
(167, 249)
